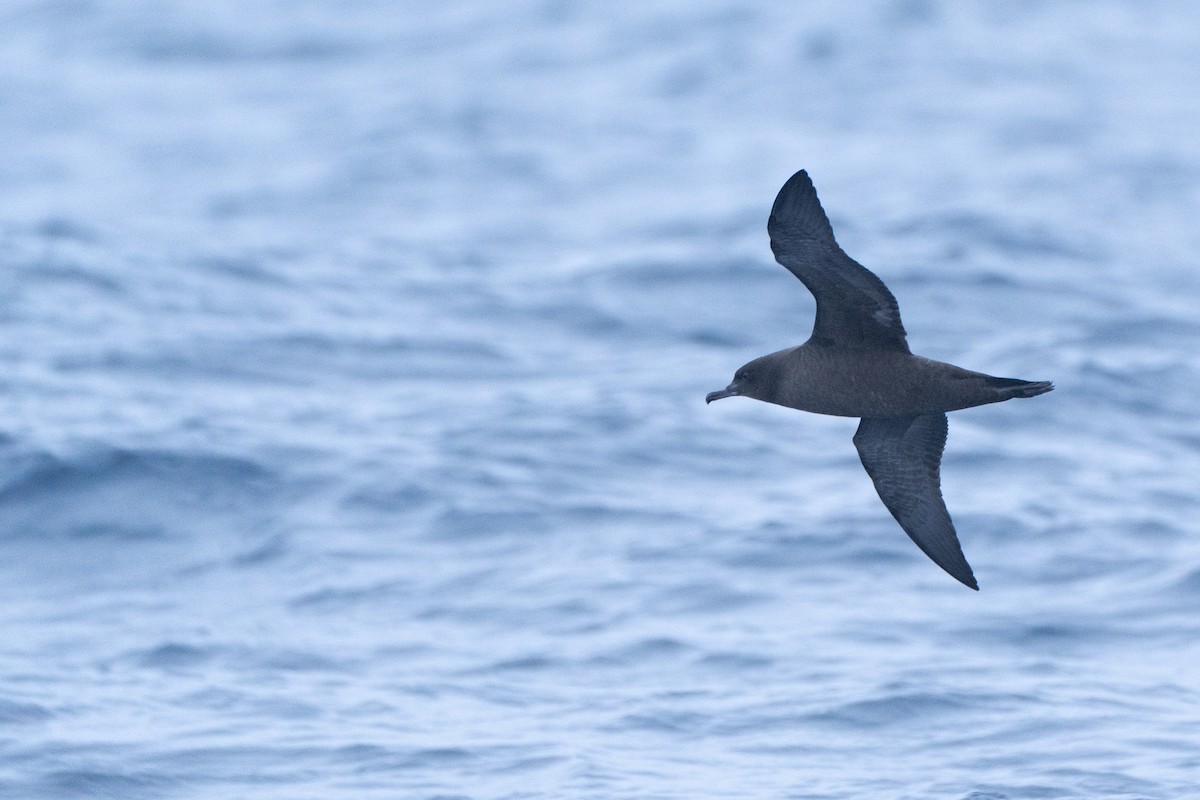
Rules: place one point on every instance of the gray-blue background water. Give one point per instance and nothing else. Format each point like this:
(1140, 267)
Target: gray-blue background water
(352, 433)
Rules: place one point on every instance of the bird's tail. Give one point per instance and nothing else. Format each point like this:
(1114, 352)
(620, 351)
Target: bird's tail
(1015, 387)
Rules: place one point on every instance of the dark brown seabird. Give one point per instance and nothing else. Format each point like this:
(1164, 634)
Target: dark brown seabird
(857, 364)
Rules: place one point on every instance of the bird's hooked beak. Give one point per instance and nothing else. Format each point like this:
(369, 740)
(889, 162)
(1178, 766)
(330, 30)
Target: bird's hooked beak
(729, 391)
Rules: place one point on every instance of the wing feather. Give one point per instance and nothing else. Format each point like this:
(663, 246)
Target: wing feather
(854, 307)
(903, 456)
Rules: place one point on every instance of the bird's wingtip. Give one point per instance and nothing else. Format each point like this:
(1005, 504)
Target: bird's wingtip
(964, 576)
(800, 177)
(797, 212)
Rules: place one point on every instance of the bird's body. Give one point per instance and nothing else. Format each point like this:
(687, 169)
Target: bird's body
(875, 383)
(857, 364)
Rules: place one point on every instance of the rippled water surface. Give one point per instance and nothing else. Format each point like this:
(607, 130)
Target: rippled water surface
(352, 434)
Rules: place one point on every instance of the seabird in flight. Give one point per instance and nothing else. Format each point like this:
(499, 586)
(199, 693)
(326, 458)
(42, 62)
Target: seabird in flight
(857, 364)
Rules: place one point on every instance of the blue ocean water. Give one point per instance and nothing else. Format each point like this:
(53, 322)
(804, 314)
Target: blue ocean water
(352, 431)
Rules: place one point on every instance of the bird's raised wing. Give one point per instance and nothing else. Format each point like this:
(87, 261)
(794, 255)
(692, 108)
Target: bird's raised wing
(903, 456)
(854, 308)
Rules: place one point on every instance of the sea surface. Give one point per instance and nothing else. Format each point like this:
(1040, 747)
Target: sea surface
(353, 441)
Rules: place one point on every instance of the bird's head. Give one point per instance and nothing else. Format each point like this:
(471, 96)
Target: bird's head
(756, 379)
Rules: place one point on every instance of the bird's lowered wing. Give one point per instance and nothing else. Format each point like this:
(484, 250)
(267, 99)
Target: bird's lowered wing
(854, 308)
(903, 456)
